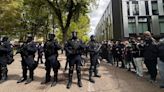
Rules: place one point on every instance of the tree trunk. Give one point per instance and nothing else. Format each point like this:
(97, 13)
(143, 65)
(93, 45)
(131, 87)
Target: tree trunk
(64, 37)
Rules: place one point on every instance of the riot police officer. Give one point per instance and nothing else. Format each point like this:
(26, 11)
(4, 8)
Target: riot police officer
(27, 51)
(51, 48)
(74, 47)
(93, 48)
(5, 53)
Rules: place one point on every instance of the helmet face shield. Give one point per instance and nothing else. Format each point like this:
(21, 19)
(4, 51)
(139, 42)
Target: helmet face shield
(51, 36)
(74, 35)
(29, 38)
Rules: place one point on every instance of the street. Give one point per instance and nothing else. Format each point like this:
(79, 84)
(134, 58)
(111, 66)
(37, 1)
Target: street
(112, 80)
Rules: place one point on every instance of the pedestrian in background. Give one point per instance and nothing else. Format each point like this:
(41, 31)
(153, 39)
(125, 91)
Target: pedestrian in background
(150, 55)
(161, 61)
(138, 60)
(40, 53)
(128, 55)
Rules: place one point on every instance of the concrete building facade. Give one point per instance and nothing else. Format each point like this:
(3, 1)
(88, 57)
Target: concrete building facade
(125, 18)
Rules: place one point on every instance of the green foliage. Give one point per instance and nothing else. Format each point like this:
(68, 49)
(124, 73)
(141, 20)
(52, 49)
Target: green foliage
(10, 13)
(81, 26)
(68, 12)
(19, 17)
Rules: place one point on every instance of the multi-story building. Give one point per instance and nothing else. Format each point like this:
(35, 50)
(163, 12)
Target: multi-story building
(125, 18)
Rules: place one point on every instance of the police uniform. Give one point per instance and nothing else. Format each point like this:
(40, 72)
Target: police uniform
(5, 57)
(51, 48)
(27, 51)
(93, 48)
(74, 47)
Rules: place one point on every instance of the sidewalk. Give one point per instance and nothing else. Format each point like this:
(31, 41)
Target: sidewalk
(113, 80)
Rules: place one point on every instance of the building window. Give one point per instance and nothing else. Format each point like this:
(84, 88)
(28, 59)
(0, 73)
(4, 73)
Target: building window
(128, 9)
(131, 25)
(154, 8)
(161, 23)
(135, 7)
(147, 7)
(143, 26)
(163, 4)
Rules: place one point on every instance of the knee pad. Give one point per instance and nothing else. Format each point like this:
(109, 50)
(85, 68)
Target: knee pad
(78, 68)
(4, 69)
(71, 68)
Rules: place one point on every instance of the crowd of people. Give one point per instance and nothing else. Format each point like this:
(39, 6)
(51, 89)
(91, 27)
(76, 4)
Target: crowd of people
(131, 54)
(135, 52)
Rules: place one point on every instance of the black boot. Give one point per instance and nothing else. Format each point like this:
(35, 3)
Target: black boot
(22, 79)
(69, 81)
(79, 79)
(29, 80)
(70, 77)
(46, 80)
(4, 77)
(48, 77)
(55, 79)
(4, 73)
(91, 80)
(90, 77)
(96, 74)
(31, 77)
(80, 83)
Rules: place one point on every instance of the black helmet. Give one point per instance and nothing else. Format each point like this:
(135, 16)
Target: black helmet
(51, 36)
(5, 38)
(29, 37)
(74, 35)
(92, 36)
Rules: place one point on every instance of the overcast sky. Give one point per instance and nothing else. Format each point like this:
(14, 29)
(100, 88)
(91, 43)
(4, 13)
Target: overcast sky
(95, 15)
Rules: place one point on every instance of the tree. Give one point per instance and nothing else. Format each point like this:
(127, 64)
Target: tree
(67, 11)
(36, 13)
(10, 13)
(82, 26)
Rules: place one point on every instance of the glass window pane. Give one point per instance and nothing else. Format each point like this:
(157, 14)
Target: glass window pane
(132, 28)
(154, 8)
(135, 8)
(161, 27)
(161, 24)
(143, 27)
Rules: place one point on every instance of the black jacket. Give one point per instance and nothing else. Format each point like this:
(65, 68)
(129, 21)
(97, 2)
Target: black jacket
(161, 51)
(150, 51)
